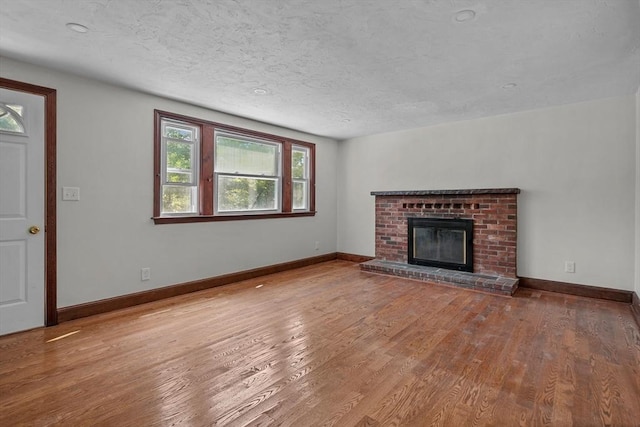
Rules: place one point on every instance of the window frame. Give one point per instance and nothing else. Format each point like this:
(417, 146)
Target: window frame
(206, 176)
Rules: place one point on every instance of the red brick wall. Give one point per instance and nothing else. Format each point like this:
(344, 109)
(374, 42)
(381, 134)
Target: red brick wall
(494, 226)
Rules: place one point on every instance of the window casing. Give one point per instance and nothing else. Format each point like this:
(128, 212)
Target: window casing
(206, 171)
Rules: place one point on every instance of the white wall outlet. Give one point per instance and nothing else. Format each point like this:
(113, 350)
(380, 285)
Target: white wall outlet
(71, 193)
(145, 274)
(317, 245)
(569, 267)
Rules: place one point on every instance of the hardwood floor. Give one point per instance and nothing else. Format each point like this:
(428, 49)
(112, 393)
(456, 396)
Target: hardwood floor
(331, 345)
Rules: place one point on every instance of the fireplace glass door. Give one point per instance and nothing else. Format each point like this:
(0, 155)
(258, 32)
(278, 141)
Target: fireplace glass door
(441, 242)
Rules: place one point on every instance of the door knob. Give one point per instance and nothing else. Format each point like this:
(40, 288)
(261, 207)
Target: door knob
(34, 229)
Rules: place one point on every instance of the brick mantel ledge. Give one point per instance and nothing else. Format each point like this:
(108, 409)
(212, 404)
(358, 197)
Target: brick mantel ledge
(471, 191)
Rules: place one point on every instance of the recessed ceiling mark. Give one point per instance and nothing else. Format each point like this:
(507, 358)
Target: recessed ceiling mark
(509, 85)
(464, 15)
(260, 91)
(78, 28)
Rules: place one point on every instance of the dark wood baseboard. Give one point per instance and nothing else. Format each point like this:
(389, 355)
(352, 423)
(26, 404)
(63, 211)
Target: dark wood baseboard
(353, 257)
(635, 307)
(110, 304)
(124, 301)
(579, 290)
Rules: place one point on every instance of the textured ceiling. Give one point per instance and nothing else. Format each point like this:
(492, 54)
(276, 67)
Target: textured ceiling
(340, 68)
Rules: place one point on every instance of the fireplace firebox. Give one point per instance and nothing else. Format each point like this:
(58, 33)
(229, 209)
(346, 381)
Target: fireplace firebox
(441, 242)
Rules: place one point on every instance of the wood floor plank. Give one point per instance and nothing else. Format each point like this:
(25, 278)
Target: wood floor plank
(329, 345)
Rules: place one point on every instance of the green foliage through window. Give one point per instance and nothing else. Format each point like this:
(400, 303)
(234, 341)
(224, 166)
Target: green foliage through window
(300, 174)
(179, 162)
(177, 199)
(178, 193)
(246, 194)
(298, 164)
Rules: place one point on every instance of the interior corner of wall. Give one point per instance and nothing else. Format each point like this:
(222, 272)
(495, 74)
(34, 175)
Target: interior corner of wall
(637, 275)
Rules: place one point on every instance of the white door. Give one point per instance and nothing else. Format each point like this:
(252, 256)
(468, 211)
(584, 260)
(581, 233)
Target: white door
(21, 211)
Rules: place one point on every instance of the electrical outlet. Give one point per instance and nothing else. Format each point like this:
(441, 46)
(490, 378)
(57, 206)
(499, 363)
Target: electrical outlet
(145, 274)
(569, 267)
(71, 193)
(317, 245)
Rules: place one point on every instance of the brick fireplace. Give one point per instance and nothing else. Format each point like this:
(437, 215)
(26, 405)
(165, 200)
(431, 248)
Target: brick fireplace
(494, 215)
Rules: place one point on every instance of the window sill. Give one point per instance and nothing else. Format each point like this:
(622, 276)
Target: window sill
(210, 218)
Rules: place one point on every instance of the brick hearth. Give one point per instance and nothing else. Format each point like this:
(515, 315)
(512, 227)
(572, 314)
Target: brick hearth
(494, 213)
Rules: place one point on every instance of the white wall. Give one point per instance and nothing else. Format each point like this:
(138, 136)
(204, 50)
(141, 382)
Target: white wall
(575, 164)
(105, 147)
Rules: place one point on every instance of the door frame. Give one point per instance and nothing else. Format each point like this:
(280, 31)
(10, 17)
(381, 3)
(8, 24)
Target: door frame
(50, 254)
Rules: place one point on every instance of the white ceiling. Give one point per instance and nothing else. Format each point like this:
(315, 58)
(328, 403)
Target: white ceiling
(340, 68)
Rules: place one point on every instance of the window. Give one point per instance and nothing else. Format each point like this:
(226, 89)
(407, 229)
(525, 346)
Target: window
(206, 171)
(11, 118)
(247, 172)
(180, 144)
(300, 177)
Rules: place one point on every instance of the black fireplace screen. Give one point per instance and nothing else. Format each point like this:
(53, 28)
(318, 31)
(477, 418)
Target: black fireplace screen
(441, 242)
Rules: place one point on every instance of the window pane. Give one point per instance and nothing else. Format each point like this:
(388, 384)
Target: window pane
(178, 199)
(17, 108)
(246, 194)
(300, 195)
(299, 163)
(10, 118)
(183, 177)
(179, 156)
(245, 156)
(175, 132)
